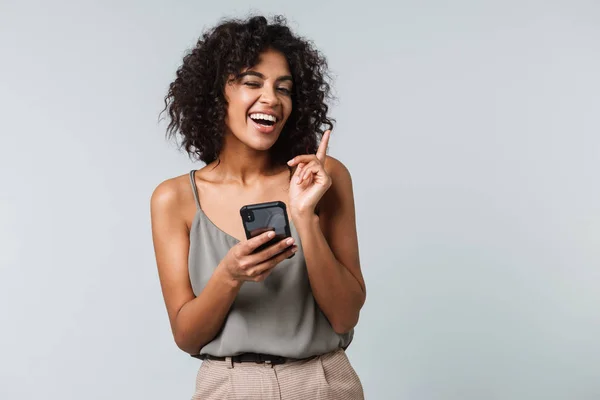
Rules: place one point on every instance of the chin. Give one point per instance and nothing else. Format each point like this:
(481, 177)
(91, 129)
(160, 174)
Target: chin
(261, 142)
(256, 140)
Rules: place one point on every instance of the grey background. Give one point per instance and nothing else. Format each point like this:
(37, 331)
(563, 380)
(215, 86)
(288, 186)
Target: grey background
(471, 132)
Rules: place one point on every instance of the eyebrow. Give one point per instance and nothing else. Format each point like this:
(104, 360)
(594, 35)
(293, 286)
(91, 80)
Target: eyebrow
(258, 74)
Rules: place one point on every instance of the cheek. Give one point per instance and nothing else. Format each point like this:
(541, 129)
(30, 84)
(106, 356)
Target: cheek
(239, 104)
(236, 111)
(287, 107)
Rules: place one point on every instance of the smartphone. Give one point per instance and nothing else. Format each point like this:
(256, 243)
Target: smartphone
(262, 217)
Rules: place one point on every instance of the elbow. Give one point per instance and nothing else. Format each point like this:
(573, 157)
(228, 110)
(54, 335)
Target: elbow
(342, 329)
(344, 325)
(183, 342)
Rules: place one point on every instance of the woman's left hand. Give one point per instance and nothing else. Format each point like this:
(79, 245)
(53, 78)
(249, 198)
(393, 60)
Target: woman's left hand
(310, 181)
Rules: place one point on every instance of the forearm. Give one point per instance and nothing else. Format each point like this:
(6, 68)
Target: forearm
(200, 319)
(337, 292)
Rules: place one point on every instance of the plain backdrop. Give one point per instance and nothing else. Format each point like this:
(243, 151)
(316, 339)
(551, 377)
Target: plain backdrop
(470, 129)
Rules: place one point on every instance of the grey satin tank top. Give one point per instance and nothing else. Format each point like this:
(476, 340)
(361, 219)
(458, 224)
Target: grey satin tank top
(278, 316)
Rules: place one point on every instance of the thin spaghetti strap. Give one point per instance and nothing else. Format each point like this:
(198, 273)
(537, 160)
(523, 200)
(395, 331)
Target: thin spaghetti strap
(194, 188)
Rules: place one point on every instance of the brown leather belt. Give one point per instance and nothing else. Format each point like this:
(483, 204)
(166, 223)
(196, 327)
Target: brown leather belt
(252, 357)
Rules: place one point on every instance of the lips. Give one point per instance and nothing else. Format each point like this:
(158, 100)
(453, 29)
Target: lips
(262, 128)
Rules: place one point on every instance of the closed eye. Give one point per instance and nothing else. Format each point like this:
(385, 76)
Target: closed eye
(283, 90)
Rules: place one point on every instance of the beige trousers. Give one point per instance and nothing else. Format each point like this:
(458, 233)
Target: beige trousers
(326, 377)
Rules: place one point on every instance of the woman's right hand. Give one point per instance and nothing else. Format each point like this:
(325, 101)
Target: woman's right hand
(241, 265)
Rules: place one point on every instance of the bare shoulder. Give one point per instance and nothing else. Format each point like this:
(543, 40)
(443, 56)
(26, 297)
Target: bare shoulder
(339, 173)
(171, 194)
(339, 196)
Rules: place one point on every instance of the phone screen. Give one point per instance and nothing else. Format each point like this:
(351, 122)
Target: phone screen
(259, 218)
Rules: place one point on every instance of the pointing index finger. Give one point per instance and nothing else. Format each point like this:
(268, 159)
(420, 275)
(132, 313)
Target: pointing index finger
(322, 150)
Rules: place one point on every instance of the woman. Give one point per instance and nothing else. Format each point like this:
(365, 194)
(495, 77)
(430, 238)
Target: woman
(248, 101)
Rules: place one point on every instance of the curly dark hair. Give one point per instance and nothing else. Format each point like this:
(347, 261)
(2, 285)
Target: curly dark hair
(196, 100)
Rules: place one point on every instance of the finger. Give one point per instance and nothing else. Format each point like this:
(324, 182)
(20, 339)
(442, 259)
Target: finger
(298, 172)
(309, 180)
(310, 168)
(252, 244)
(272, 251)
(267, 266)
(307, 174)
(313, 160)
(302, 158)
(258, 231)
(322, 150)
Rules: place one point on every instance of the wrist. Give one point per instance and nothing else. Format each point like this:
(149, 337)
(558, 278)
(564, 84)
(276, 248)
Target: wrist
(225, 278)
(304, 217)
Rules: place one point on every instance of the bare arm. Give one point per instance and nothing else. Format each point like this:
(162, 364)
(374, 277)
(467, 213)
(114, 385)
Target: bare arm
(330, 246)
(195, 321)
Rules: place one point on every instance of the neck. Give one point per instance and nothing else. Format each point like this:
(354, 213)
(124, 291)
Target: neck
(240, 163)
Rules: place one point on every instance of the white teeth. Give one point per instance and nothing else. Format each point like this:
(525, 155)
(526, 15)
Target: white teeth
(263, 116)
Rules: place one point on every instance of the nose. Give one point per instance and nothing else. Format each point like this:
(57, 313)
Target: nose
(268, 95)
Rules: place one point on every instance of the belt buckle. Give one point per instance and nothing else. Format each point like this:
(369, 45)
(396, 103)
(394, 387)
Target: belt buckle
(268, 359)
(262, 358)
(277, 360)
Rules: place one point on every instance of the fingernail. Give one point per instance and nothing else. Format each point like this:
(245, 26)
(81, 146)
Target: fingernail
(295, 249)
(289, 241)
(290, 162)
(271, 234)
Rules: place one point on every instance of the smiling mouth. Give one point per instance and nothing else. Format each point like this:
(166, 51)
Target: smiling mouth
(263, 122)
(263, 119)
(263, 126)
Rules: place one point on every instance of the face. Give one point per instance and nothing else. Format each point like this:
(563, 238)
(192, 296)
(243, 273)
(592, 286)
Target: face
(260, 101)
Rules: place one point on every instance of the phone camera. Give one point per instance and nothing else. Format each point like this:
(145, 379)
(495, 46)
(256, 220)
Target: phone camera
(249, 216)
